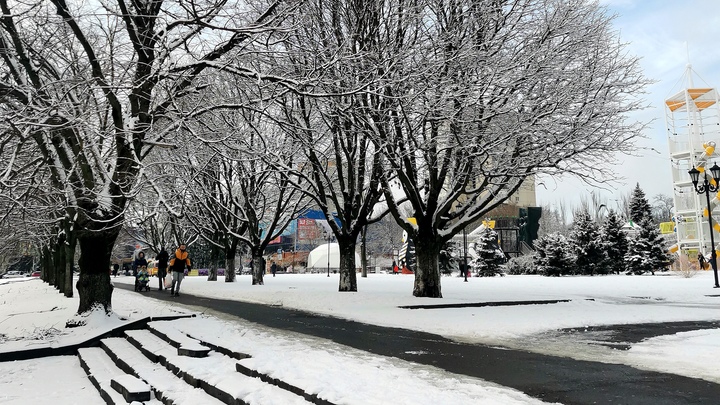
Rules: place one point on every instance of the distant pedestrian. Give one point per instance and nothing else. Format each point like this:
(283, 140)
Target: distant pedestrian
(273, 268)
(463, 268)
(701, 261)
(139, 261)
(116, 268)
(395, 268)
(162, 263)
(177, 266)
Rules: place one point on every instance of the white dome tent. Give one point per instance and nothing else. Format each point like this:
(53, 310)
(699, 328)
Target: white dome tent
(318, 257)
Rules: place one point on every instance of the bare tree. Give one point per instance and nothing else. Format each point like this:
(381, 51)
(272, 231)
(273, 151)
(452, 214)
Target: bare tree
(340, 163)
(662, 207)
(479, 97)
(554, 219)
(91, 86)
(596, 206)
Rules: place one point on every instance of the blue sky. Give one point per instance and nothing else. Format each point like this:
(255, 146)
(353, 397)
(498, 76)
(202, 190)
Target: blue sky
(663, 34)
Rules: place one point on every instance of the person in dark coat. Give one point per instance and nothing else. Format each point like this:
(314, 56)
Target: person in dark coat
(162, 264)
(139, 262)
(116, 268)
(273, 268)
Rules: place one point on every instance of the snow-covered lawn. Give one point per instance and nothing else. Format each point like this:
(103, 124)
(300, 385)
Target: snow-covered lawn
(32, 314)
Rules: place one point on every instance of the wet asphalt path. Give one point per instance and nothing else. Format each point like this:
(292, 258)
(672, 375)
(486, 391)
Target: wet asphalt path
(550, 378)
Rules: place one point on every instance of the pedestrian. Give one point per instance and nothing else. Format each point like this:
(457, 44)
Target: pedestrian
(116, 268)
(701, 261)
(463, 268)
(162, 263)
(139, 262)
(177, 266)
(395, 268)
(273, 268)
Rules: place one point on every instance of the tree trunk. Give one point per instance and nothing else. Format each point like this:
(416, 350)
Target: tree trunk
(348, 277)
(93, 285)
(58, 264)
(46, 263)
(363, 251)
(213, 270)
(230, 265)
(258, 268)
(69, 259)
(214, 255)
(427, 270)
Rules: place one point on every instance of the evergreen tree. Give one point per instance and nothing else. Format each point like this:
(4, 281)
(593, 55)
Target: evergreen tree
(490, 258)
(553, 255)
(646, 251)
(639, 205)
(447, 261)
(615, 242)
(588, 247)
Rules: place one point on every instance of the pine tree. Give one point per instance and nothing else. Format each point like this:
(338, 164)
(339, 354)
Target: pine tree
(639, 205)
(646, 251)
(553, 255)
(489, 260)
(447, 261)
(589, 250)
(615, 242)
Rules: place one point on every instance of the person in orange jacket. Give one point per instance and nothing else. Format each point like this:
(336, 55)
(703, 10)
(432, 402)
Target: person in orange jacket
(177, 266)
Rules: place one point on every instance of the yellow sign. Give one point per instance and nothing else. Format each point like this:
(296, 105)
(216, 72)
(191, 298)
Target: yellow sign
(413, 221)
(489, 224)
(667, 227)
(193, 272)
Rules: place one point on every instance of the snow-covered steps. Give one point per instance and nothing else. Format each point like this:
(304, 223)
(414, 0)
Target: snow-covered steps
(216, 374)
(281, 384)
(102, 371)
(185, 345)
(132, 388)
(167, 329)
(168, 388)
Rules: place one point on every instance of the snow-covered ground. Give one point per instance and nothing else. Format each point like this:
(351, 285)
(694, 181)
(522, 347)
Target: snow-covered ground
(32, 314)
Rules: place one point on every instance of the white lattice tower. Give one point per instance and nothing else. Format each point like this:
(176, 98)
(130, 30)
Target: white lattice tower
(692, 117)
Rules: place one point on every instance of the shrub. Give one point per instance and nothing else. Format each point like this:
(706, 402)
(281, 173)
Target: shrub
(521, 265)
(553, 256)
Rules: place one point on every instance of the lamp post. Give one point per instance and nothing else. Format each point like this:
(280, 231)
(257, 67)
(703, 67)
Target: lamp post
(707, 187)
(465, 264)
(327, 236)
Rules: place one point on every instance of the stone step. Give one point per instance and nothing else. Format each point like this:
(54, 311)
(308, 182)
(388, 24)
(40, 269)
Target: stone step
(186, 346)
(168, 388)
(245, 365)
(216, 374)
(101, 370)
(168, 332)
(132, 388)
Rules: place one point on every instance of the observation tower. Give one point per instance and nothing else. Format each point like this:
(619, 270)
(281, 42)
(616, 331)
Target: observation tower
(692, 120)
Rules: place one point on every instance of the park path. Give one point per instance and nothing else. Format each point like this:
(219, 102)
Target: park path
(550, 378)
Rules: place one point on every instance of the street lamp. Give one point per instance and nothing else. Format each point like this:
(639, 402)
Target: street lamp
(707, 187)
(327, 236)
(465, 264)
